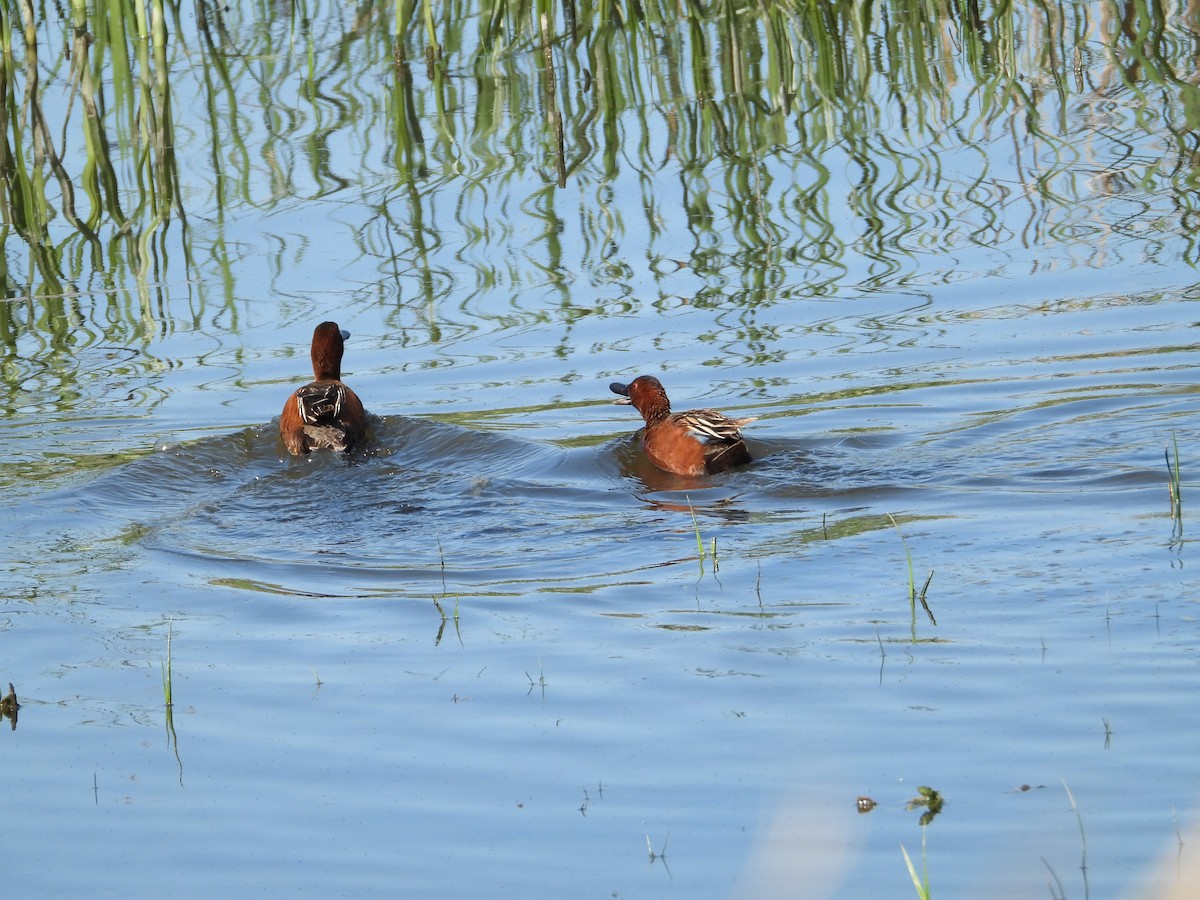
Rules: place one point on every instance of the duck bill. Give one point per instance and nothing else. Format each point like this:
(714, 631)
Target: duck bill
(623, 389)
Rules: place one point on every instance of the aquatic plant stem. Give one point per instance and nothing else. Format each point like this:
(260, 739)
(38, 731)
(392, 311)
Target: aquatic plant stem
(920, 882)
(166, 667)
(172, 738)
(913, 596)
(1173, 487)
(696, 528)
(1083, 864)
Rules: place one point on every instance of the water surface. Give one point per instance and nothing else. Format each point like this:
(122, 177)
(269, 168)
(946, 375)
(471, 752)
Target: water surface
(497, 653)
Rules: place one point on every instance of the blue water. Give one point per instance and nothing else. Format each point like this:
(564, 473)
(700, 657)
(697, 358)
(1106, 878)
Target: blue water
(496, 652)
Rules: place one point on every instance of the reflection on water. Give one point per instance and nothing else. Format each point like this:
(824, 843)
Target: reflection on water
(767, 157)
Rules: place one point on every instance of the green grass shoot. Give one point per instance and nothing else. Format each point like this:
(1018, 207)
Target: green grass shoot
(445, 593)
(441, 612)
(166, 666)
(169, 718)
(921, 881)
(661, 854)
(696, 528)
(541, 680)
(912, 584)
(913, 595)
(1172, 454)
(1056, 890)
(1083, 865)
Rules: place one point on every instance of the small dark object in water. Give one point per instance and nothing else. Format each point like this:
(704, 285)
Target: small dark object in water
(9, 705)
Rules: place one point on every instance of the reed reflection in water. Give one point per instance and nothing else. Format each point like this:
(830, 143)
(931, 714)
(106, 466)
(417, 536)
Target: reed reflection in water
(809, 149)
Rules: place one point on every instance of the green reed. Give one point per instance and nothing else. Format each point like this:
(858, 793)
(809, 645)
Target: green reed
(920, 881)
(913, 595)
(931, 801)
(658, 854)
(1083, 863)
(444, 618)
(168, 701)
(166, 666)
(1173, 487)
(700, 551)
(541, 680)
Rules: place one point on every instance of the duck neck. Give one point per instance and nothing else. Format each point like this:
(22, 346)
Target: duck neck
(327, 365)
(656, 411)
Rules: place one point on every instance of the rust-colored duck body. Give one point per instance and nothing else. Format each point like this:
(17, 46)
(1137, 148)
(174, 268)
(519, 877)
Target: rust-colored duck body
(696, 442)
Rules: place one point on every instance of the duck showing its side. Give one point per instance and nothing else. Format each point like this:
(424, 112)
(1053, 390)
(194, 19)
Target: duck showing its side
(696, 442)
(324, 414)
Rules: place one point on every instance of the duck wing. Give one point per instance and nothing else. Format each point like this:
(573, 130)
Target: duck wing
(320, 403)
(710, 425)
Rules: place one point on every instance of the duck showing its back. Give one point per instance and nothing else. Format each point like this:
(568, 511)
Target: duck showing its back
(324, 414)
